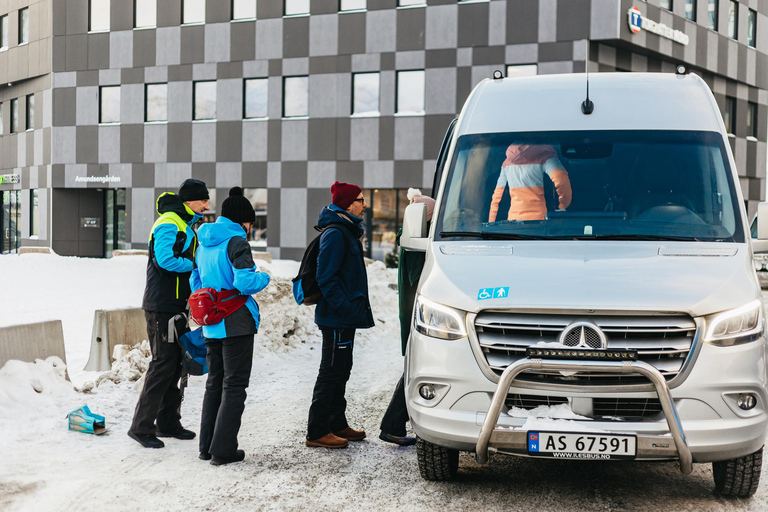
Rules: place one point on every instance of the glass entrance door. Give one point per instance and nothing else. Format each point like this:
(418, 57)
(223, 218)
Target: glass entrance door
(114, 220)
(10, 220)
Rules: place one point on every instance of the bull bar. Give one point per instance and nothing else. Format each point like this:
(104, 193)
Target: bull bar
(515, 440)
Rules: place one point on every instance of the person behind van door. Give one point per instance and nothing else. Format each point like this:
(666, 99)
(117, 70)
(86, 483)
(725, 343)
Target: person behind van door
(523, 172)
(409, 270)
(224, 262)
(172, 246)
(343, 308)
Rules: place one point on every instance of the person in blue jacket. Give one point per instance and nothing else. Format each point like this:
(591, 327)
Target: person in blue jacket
(343, 308)
(172, 246)
(224, 262)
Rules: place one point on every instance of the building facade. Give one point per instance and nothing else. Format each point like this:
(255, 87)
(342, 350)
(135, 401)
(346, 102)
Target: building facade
(109, 103)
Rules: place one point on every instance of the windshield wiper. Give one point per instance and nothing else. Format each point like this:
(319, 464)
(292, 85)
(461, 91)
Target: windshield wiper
(486, 235)
(653, 238)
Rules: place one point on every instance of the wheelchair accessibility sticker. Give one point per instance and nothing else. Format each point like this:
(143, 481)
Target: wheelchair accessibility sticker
(493, 293)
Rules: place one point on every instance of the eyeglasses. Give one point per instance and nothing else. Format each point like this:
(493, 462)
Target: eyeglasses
(360, 199)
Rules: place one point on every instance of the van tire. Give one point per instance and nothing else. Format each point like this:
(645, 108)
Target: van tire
(738, 478)
(436, 463)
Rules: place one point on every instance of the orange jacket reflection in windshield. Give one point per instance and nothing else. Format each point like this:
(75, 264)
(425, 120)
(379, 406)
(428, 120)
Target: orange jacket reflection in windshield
(523, 171)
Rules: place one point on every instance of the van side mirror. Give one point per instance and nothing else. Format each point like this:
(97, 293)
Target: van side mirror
(414, 237)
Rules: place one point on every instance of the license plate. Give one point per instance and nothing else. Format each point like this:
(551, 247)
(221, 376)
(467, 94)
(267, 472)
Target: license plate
(581, 445)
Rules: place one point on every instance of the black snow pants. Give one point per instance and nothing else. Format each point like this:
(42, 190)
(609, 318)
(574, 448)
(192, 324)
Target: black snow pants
(160, 399)
(327, 412)
(229, 372)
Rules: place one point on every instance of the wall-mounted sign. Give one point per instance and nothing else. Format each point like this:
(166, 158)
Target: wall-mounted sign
(90, 222)
(97, 179)
(8, 179)
(637, 22)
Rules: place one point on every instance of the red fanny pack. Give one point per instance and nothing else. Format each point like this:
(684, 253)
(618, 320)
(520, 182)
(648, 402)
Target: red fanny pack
(209, 307)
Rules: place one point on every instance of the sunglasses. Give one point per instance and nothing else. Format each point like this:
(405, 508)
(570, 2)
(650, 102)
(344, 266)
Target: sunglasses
(360, 199)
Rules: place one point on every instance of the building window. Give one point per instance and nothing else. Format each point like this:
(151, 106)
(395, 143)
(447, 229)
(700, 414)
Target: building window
(109, 104)
(410, 92)
(192, 11)
(729, 116)
(365, 94)
(294, 7)
(733, 19)
(24, 25)
(690, 9)
(15, 115)
(296, 96)
(384, 218)
(4, 31)
(258, 233)
(145, 13)
(666, 4)
(352, 5)
(752, 120)
(30, 112)
(34, 215)
(204, 100)
(156, 103)
(752, 28)
(10, 216)
(98, 15)
(712, 9)
(407, 3)
(243, 9)
(256, 98)
(519, 70)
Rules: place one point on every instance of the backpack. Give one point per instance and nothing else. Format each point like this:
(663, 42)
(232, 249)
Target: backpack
(193, 349)
(306, 291)
(209, 307)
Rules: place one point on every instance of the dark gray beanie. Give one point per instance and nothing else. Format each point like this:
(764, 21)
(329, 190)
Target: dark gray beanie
(237, 208)
(193, 190)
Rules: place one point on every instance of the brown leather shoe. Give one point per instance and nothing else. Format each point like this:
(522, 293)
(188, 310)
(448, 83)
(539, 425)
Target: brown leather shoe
(328, 441)
(351, 434)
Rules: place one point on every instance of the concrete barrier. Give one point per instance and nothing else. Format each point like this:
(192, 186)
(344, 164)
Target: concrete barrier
(32, 341)
(114, 327)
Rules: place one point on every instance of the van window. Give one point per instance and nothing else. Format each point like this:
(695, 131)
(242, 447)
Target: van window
(620, 185)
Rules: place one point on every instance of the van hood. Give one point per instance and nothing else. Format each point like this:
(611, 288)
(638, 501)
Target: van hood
(693, 278)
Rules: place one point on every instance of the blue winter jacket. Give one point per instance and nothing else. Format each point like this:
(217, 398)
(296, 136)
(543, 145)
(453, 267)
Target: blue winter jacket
(341, 273)
(224, 262)
(172, 247)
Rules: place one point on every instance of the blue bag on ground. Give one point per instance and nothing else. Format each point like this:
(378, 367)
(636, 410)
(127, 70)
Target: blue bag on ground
(193, 351)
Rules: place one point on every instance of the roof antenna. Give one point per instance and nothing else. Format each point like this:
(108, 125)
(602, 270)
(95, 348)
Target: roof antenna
(587, 106)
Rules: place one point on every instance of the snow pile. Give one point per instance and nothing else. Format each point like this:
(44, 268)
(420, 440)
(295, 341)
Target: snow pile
(131, 363)
(283, 323)
(559, 411)
(22, 385)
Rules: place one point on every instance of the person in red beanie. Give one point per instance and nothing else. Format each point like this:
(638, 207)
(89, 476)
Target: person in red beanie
(343, 308)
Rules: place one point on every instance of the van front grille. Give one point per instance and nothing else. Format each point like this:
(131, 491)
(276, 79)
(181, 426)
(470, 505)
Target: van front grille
(661, 341)
(620, 408)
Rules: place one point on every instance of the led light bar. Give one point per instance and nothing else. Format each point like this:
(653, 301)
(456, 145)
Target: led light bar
(580, 353)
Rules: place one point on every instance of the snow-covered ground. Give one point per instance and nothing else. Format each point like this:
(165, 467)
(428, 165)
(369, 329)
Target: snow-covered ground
(45, 467)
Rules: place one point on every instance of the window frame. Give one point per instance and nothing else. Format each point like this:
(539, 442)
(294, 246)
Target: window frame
(353, 9)
(370, 113)
(29, 116)
(4, 24)
(200, 22)
(245, 97)
(671, 5)
(91, 30)
(752, 34)
(694, 5)
(302, 13)
(23, 13)
(135, 21)
(195, 83)
(285, 96)
(416, 3)
(730, 112)
(101, 105)
(146, 103)
(752, 120)
(14, 126)
(398, 75)
(733, 7)
(34, 213)
(232, 12)
(716, 13)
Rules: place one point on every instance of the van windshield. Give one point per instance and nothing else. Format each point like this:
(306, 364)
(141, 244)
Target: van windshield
(591, 185)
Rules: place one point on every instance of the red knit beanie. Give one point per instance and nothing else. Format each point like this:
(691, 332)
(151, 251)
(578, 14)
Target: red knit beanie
(344, 194)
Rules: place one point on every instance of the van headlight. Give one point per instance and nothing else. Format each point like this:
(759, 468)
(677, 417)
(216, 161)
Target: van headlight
(740, 325)
(438, 321)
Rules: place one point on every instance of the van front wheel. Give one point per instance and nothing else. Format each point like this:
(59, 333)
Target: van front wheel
(436, 463)
(738, 478)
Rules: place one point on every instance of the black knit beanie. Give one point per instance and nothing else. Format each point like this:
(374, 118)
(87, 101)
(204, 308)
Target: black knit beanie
(237, 208)
(193, 190)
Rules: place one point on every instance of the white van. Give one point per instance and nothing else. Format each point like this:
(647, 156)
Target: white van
(589, 291)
